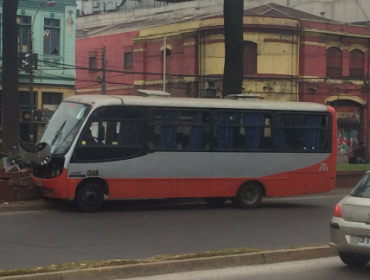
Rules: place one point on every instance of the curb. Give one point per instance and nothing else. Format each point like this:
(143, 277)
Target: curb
(41, 206)
(339, 191)
(26, 207)
(168, 267)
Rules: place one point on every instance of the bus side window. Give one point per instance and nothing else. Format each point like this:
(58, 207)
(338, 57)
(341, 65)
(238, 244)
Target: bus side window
(118, 135)
(243, 131)
(91, 135)
(301, 132)
(179, 130)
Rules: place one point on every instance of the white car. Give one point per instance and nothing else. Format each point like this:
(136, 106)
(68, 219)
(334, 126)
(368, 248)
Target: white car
(350, 225)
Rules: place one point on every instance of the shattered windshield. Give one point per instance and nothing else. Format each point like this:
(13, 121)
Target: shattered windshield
(63, 126)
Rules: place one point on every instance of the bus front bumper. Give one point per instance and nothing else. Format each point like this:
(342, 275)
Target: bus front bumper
(54, 187)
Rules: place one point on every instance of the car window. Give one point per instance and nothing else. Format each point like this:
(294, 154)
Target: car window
(362, 189)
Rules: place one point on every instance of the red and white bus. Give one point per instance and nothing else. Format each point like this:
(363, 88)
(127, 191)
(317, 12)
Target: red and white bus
(140, 147)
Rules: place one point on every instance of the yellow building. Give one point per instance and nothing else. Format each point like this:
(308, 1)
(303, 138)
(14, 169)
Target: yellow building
(195, 54)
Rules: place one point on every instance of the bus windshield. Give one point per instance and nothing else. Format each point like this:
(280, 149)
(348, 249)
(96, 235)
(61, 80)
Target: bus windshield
(63, 126)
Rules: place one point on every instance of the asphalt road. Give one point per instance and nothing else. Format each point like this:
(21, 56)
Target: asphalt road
(125, 230)
(317, 269)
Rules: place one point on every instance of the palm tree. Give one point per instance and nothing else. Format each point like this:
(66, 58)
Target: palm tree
(233, 69)
(10, 94)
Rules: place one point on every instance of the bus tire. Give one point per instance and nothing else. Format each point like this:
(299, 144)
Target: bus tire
(249, 195)
(215, 201)
(90, 197)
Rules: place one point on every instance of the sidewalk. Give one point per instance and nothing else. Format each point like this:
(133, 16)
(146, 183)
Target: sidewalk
(35, 205)
(140, 268)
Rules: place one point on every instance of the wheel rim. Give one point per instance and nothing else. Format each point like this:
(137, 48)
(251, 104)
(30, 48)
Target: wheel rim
(250, 196)
(89, 197)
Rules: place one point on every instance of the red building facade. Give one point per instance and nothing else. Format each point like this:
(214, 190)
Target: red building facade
(286, 58)
(89, 63)
(334, 70)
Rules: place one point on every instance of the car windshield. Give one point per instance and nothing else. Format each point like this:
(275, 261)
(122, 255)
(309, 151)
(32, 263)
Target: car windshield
(362, 188)
(63, 126)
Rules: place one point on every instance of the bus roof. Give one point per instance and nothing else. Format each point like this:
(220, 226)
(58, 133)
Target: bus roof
(110, 100)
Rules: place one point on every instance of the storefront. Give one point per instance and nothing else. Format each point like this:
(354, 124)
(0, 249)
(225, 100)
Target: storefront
(41, 118)
(45, 101)
(350, 118)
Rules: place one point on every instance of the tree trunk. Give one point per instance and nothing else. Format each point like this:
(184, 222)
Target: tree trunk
(233, 69)
(10, 94)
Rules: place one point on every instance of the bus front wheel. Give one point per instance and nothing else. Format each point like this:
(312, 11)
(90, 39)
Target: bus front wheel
(90, 197)
(249, 195)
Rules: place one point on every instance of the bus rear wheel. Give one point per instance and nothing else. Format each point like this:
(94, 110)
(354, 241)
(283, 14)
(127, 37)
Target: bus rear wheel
(249, 195)
(215, 201)
(90, 197)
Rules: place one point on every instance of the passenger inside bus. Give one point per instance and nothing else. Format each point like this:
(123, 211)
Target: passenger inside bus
(88, 139)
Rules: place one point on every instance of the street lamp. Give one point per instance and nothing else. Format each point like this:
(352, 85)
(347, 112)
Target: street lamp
(46, 4)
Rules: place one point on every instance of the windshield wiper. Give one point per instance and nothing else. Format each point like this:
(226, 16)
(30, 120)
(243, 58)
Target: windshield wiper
(59, 132)
(73, 128)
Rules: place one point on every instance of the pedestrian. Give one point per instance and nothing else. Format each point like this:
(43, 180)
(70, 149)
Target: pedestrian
(352, 154)
(361, 153)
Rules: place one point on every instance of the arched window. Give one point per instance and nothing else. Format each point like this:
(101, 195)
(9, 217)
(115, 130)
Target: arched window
(250, 58)
(333, 62)
(356, 64)
(168, 62)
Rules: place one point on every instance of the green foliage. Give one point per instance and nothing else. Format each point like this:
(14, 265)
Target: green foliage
(352, 167)
(109, 263)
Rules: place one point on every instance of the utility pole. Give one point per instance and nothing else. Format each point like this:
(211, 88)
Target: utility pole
(31, 66)
(164, 62)
(104, 69)
(31, 133)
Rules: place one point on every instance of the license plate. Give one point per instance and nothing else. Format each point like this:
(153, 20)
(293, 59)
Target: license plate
(39, 183)
(364, 241)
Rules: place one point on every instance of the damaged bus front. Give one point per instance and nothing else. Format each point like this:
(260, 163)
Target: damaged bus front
(49, 155)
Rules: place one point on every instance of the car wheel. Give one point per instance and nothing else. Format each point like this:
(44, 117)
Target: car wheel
(249, 195)
(90, 197)
(215, 201)
(353, 260)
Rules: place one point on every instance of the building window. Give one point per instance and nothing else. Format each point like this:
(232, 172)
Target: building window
(250, 58)
(51, 100)
(128, 60)
(128, 56)
(333, 62)
(51, 36)
(168, 62)
(24, 33)
(24, 100)
(92, 61)
(356, 64)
